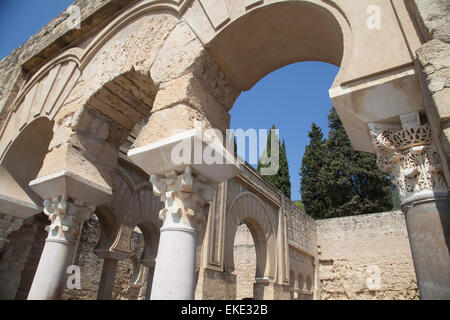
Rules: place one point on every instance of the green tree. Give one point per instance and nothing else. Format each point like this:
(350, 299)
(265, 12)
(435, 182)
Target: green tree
(281, 179)
(313, 198)
(233, 144)
(300, 205)
(352, 181)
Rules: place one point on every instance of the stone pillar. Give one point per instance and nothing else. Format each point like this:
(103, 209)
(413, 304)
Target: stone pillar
(407, 153)
(67, 217)
(106, 286)
(185, 200)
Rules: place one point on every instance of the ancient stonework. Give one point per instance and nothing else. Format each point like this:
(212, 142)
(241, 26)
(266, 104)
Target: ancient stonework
(65, 218)
(410, 158)
(8, 224)
(109, 102)
(366, 257)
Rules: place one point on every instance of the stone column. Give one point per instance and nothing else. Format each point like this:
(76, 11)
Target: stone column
(408, 155)
(185, 200)
(67, 217)
(107, 279)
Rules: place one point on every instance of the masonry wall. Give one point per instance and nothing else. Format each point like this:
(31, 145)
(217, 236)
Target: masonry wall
(353, 250)
(51, 39)
(91, 268)
(433, 69)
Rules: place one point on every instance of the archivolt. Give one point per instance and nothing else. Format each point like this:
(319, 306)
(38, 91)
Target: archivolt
(250, 209)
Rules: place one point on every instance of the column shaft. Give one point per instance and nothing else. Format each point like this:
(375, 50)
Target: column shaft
(66, 218)
(185, 199)
(107, 280)
(428, 224)
(50, 278)
(174, 277)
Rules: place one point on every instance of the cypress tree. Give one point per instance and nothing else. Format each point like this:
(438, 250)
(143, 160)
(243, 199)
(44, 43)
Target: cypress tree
(352, 181)
(313, 198)
(284, 178)
(281, 179)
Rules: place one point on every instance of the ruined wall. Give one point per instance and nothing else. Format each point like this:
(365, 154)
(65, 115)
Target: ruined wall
(352, 250)
(433, 66)
(91, 268)
(51, 39)
(301, 274)
(301, 229)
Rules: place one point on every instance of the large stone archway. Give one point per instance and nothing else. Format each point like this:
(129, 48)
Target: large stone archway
(173, 64)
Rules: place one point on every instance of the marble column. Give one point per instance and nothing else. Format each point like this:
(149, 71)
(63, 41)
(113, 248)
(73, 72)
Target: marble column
(409, 156)
(185, 198)
(66, 217)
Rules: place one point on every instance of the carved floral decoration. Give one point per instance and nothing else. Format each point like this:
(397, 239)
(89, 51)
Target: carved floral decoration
(184, 197)
(66, 218)
(411, 159)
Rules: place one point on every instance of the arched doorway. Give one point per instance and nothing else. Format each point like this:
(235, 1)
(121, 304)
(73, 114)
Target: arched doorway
(245, 262)
(249, 210)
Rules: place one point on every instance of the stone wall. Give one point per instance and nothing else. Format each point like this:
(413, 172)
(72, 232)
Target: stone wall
(353, 250)
(91, 268)
(301, 229)
(433, 66)
(51, 39)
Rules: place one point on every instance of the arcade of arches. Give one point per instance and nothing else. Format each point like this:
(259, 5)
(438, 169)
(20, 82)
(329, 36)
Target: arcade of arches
(89, 118)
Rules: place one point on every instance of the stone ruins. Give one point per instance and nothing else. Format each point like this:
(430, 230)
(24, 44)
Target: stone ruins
(89, 115)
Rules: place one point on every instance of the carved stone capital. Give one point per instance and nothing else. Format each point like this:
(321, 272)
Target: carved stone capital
(66, 218)
(410, 157)
(8, 224)
(184, 197)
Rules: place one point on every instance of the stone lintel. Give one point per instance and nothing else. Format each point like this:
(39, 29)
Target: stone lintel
(73, 186)
(379, 99)
(186, 149)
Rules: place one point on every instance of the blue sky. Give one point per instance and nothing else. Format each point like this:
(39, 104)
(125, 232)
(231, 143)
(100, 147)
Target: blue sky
(291, 98)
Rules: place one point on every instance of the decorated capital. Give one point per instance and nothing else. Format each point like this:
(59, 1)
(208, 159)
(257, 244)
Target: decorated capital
(66, 218)
(185, 197)
(410, 157)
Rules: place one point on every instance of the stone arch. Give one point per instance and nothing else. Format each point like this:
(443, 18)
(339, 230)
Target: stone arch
(40, 97)
(309, 30)
(132, 205)
(301, 281)
(249, 209)
(23, 159)
(309, 284)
